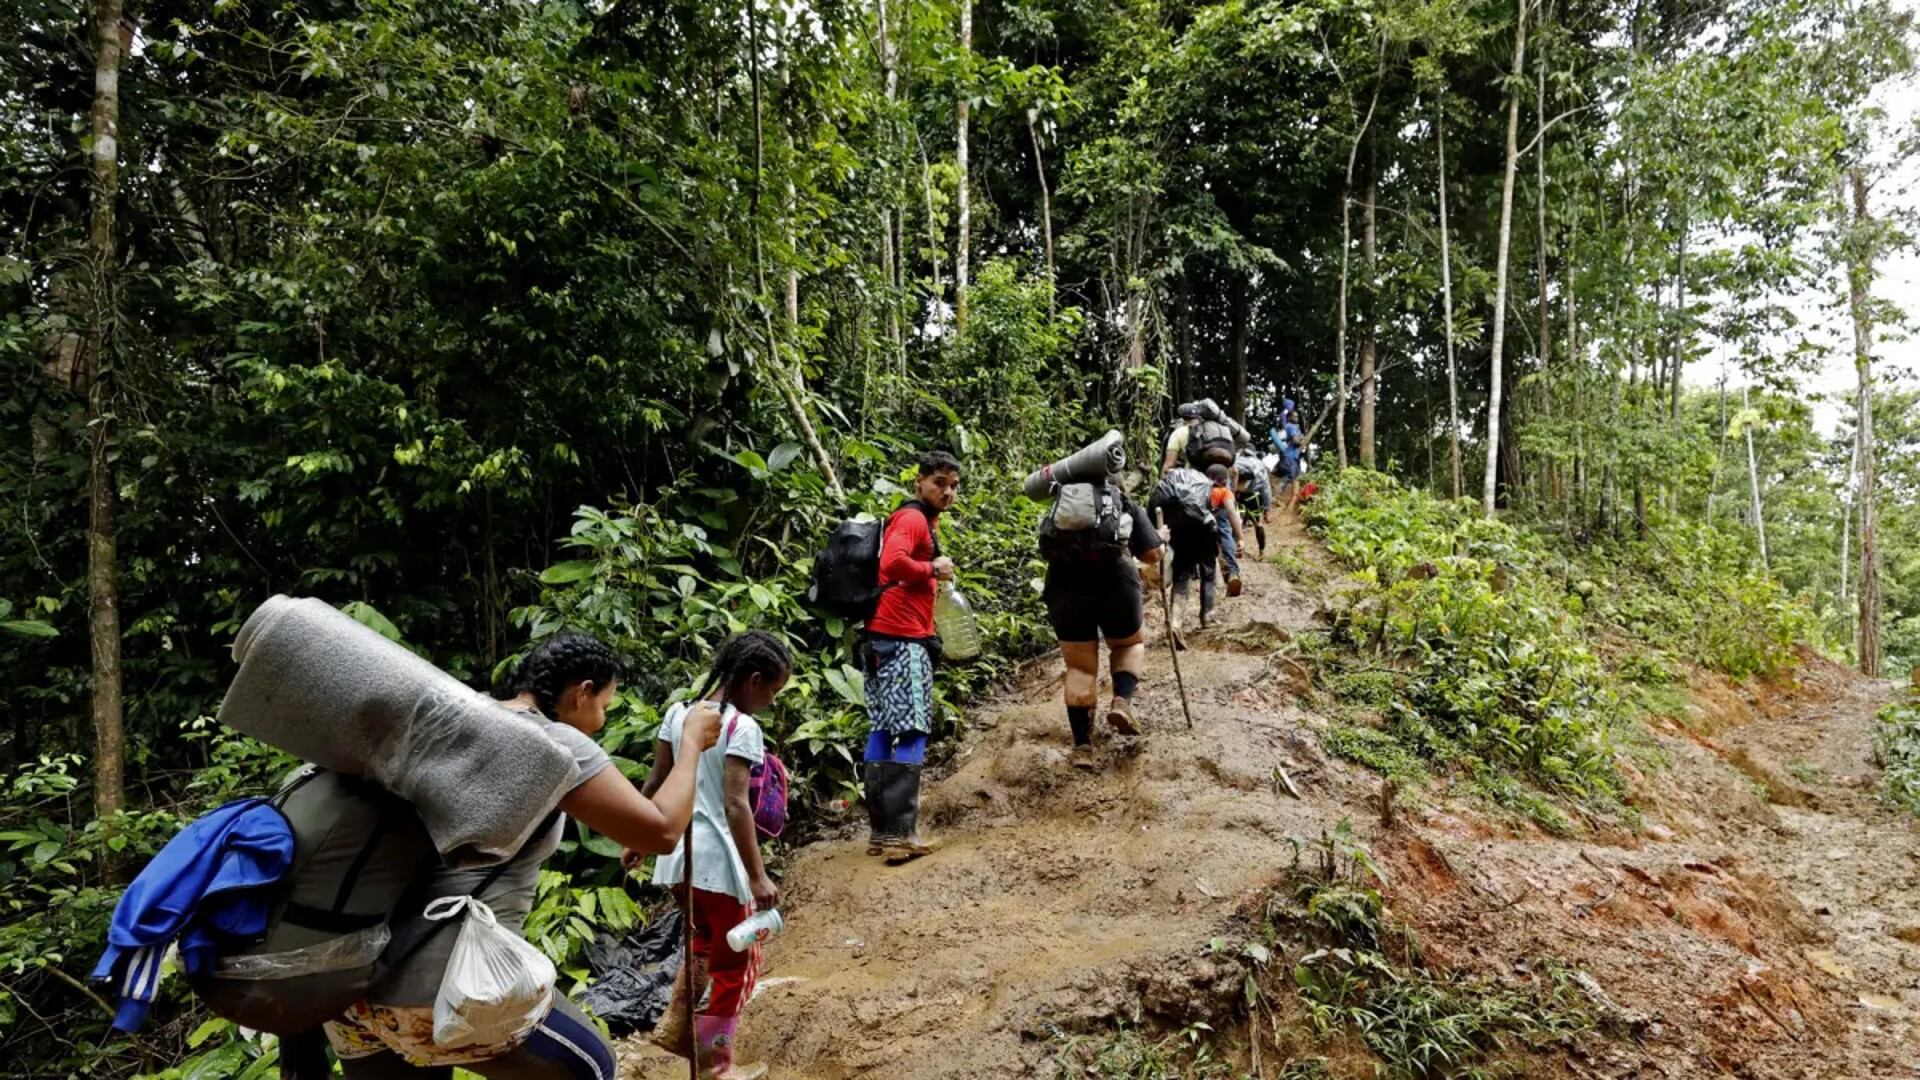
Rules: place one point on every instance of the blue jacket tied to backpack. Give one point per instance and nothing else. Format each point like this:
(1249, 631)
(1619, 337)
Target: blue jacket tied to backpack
(206, 889)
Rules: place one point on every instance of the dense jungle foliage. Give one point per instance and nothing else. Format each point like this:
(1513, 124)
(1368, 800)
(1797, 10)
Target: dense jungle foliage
(485, 317)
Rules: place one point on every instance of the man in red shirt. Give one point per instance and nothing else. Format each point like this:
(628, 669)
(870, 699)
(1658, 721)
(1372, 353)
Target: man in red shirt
(900, 648)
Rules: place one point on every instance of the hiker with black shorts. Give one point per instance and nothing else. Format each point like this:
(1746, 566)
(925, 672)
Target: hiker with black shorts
(1182, 507)
(1090, 538)
(900, 649)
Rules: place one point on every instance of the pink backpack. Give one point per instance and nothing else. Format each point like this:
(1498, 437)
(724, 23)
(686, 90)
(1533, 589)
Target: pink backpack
(766, 790)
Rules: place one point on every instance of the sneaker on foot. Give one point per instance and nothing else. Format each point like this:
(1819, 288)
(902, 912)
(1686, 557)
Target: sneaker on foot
(1082, 758)
(1120, 716)
(1233, 585)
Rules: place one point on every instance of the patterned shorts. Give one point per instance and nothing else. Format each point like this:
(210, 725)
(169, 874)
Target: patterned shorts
(407, 1030)
(900, 687)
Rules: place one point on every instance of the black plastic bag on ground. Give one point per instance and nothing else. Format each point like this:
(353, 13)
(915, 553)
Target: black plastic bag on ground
(633, 975)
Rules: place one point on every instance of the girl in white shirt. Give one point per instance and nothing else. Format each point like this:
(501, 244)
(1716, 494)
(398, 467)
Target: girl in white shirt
(729, 879)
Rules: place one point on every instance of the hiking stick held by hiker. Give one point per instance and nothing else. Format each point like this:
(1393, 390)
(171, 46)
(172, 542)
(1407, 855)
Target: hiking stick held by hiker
(1173, 645)
(686, 942)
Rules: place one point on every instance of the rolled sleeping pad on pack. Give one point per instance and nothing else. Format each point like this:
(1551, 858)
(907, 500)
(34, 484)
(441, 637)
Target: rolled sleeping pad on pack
(328, 690)
(357, 851)
(1099, 459)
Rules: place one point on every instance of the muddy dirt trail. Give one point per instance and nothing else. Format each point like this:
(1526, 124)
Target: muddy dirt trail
(1731, 936)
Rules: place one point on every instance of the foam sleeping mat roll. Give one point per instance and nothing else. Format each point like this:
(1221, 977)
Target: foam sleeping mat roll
(319, 685)
(1099, 459)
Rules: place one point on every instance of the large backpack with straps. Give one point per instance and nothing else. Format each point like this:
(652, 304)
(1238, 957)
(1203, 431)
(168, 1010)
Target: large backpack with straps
(846, 573)
(1086, 522)
(1209, 442)
(1186, 497)
(361, 858)
(358, 851)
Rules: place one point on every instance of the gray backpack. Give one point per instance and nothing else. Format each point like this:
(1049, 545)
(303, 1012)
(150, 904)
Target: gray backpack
(1210, 443)
(358, 849)
(1087, 522)
(1185, 497)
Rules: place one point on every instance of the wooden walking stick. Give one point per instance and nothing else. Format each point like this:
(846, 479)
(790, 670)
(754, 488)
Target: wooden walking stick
(1166, 613)
(686, 928)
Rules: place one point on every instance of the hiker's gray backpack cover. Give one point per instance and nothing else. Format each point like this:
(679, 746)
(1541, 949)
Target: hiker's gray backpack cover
(357, 850)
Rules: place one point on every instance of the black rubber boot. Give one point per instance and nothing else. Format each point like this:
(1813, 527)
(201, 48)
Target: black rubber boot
(879, 825)
(901, 784)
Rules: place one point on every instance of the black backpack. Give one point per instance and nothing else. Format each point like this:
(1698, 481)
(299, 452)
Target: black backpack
(1210, 443)
(1185, 497)
(846, 573)
(1086, 522)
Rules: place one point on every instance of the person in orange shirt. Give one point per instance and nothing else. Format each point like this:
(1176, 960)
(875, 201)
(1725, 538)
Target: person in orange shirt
(1226, 513)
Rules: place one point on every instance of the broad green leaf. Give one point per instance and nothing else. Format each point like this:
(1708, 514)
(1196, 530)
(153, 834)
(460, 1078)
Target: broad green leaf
(566, 573)
(367, 616)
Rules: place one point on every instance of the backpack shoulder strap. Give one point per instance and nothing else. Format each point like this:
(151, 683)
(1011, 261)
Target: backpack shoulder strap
(492, 875)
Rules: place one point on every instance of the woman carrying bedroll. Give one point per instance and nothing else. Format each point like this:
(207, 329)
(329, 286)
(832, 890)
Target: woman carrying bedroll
(568, 681)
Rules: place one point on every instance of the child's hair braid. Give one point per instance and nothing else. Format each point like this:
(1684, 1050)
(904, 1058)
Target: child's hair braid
(754, 652)
(560, 661)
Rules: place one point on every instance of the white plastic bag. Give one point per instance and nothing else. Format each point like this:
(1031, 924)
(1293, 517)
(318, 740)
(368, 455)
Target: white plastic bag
(497, 986)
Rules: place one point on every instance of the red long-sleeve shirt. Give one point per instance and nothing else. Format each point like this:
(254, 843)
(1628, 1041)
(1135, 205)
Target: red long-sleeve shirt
(906, 576)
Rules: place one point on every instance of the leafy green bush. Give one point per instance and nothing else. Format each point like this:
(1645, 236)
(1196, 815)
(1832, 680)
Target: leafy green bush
(1488, 665)
(1896, 750)
(1691, 590)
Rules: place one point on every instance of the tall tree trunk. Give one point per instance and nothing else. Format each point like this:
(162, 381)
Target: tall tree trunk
(1720, 454)
(1340, 326)
(1370, 337)
(1046, 206)
(96, 375)
(789, 383)
(1491, 483)
(792, 214)
(1859, 293)
(1576, 366)
(1753, 481)
(1677, 359)
(1540, 204)
(963, 199)
(1346, 254)
(1544, 402)
(1846, 531)
(889, 257)
(933, 229)
(1446, 300)
(1241, 320)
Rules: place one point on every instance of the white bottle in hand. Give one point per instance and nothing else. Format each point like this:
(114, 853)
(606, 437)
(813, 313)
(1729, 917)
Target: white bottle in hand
(756, 929)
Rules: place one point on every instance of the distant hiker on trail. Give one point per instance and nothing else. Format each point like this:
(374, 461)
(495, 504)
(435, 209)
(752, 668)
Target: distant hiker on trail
(1287, 438)
(567, 681)
(1253, 490)
(900, 649)
(729, 880)
(1204, 436)
(1090, 537)
(1226, 518)
(1182, 506)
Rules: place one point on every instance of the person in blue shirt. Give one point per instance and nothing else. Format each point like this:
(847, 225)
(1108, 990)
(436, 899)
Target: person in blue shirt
(1287, 438)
